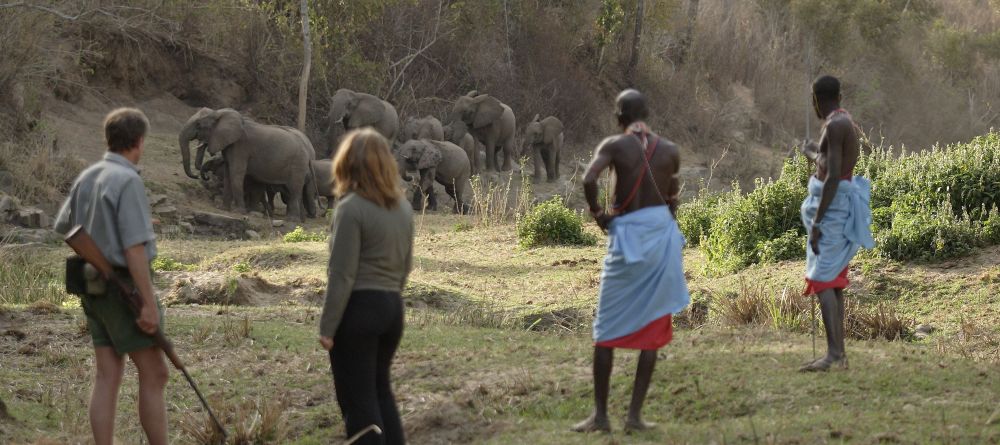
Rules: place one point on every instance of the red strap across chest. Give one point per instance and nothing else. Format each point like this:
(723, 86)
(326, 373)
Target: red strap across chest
(650, 149)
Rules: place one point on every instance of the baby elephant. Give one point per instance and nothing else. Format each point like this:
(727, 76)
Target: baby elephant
(545, 138)
(458, 133)
(439, 161)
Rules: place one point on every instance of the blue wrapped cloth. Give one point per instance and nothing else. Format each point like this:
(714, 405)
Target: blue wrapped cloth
(643, 277)
(845, 228)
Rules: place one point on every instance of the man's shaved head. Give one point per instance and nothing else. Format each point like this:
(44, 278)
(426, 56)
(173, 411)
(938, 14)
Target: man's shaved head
(630, 106)
(827, 89)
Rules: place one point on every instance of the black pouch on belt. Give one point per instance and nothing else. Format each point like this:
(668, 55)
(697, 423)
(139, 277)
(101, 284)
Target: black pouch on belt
(76, 282)
(82, 278)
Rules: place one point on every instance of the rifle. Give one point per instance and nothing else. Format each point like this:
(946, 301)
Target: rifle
(84, 245)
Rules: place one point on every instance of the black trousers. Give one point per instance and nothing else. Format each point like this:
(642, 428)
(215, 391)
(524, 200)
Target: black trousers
(363, 347)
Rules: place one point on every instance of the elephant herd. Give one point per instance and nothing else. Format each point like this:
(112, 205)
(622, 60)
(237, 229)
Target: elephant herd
(252, 162)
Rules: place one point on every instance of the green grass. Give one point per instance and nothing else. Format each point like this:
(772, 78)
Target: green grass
(497, 350)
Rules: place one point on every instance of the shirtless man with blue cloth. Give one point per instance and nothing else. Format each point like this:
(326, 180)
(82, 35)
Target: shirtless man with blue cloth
(837, 216)
(643, 283)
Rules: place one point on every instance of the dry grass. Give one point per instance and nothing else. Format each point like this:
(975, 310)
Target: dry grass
(497, 203)
(249, 422)
(879, 321)
(39, 173)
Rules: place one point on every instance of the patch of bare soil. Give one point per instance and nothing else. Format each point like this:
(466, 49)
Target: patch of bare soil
(444, 419)
(243, 290)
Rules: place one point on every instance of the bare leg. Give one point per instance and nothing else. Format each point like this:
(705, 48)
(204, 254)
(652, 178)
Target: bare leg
(152, 381)
(842, 337)
(104, 398)
(833, 323)
(643, 376)
(598, 421)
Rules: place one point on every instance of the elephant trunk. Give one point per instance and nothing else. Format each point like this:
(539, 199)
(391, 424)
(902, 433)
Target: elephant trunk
(199, 159)
(187, 134)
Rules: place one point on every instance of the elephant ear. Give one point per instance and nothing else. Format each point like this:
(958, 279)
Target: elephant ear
(430, 157)
(551, 131)
(488, 110)
(227, 130)
(367, 113)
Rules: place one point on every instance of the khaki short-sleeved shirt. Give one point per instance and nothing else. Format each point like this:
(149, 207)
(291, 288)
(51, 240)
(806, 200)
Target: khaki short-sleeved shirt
(109, 200)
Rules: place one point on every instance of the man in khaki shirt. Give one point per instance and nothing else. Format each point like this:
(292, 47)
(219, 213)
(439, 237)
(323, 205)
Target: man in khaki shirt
(109, 200)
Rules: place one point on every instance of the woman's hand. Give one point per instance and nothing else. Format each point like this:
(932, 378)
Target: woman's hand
(326, 342)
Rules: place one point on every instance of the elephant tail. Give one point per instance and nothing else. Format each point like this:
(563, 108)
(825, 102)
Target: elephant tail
(312, 182)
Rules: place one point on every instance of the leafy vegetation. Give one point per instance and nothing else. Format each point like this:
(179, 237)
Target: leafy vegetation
(926, 206)
(166, 264)
(300, 235)
(552, 223)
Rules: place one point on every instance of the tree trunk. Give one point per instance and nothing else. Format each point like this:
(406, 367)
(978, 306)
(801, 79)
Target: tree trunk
(633, 60)
(306, 66)
(692, 16)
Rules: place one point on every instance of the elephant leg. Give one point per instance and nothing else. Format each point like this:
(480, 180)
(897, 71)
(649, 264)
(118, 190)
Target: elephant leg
(538, 155)
(551, 163)
(555, 166)
(237, 174)
(294, 205)
(491, 152)
(418, 199)
(508, 154)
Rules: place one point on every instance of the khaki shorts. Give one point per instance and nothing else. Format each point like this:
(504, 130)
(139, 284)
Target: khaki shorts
(112, 323)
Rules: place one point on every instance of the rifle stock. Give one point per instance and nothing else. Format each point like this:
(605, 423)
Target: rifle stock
(81, 243)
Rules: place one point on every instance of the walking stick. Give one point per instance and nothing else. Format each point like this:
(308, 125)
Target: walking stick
(812, 298)
(361, 433)
(84, 245)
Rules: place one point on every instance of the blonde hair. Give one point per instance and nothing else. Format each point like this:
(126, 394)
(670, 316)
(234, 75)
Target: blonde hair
(365, 166)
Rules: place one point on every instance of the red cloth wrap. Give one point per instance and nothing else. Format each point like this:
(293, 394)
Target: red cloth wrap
(815, 287)
(654, 335)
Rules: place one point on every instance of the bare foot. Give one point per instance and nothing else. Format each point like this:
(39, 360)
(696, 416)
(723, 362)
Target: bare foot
(593, 424)
(824, 364)
(632, 426)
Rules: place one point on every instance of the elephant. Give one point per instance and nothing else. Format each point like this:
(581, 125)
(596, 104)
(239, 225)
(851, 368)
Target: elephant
(439, 161)
(268, 154)
(427, 127)
(491, 122)
(350, 110)
(545, 138)
(323, 169)
(259, 197)
(457, 133)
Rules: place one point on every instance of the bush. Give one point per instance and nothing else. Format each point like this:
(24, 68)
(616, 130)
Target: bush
(790, 245)
(742, 223)
(928, 234)
(167, 264)
(552, 223)
(300, 235)
(926, 206)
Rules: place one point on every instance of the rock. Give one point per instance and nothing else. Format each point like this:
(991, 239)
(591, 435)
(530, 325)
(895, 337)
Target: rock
(8, 205)
(6, 180)
(252, 235)
(32, 218)
(219, 221)
(171, 230)
(32, 236)
(157, 200)
(165, 210)
(188, 227)
(923, 330)
(277, 223)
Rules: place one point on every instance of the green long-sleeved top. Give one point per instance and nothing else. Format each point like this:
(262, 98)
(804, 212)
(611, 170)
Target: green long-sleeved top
(371, 248)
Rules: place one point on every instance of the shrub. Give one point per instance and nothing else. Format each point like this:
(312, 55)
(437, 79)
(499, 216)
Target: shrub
(552, 223)
(790, 245)
(242, 267)
(925, 206)
(927, 234)
(300, 235)
(167, 264)
(695, 217)
(743, 223)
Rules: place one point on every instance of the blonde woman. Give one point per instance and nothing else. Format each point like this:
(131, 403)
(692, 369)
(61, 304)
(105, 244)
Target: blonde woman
(371, 251)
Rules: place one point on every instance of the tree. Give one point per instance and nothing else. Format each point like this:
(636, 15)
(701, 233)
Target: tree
(633, 60)
(306, 65)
